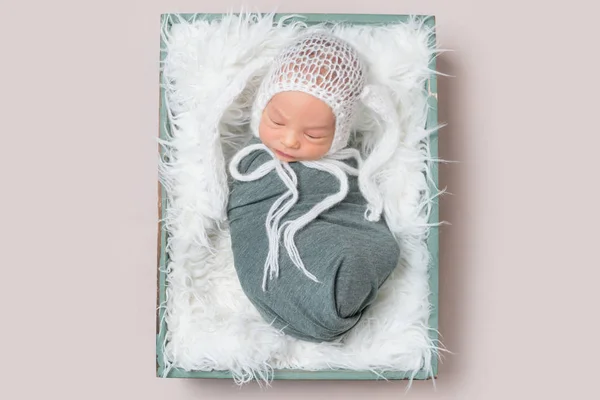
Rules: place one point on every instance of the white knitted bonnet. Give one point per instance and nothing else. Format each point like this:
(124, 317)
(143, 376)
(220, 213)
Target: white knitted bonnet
(323, 66)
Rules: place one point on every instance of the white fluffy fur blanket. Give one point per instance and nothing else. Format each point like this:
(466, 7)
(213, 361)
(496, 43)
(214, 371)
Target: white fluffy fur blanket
(210, 72)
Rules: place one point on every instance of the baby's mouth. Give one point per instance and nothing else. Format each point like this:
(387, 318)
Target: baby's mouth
(283, 155)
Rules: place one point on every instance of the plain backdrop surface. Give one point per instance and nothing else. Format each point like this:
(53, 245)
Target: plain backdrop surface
(518, 266)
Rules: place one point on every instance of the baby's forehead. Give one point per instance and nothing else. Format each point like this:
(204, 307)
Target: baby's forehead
(290, 102)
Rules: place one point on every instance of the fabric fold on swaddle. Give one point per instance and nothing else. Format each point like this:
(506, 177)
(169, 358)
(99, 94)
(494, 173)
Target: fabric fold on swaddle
(349, 256)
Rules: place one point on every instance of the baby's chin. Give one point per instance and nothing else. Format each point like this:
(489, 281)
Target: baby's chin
(294, 158)
(297, 156)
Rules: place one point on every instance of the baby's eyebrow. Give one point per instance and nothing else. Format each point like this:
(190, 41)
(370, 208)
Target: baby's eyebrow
(278, 112)
(318, 128)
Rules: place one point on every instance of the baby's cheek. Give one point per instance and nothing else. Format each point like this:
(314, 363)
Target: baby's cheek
(265, 134)
(315, 152)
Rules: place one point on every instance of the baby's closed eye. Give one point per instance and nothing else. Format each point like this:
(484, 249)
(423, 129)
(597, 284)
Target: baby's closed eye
(317, 135)
(276, 122)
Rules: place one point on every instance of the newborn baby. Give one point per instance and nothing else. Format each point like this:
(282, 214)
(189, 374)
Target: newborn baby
(306, 252)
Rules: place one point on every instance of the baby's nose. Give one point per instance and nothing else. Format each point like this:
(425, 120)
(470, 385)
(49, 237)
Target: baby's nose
(290, 140)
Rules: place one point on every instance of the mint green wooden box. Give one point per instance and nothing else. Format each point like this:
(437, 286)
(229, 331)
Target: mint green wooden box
(432, 120)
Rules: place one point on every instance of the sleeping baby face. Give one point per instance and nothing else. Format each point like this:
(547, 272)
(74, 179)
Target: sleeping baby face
(297, 126)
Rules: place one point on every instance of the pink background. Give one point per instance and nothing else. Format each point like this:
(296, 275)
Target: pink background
(519, 265)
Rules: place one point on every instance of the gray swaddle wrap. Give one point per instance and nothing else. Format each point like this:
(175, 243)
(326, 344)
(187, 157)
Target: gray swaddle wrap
(350, 256)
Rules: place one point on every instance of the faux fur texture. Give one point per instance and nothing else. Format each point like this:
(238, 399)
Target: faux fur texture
(210, 73)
